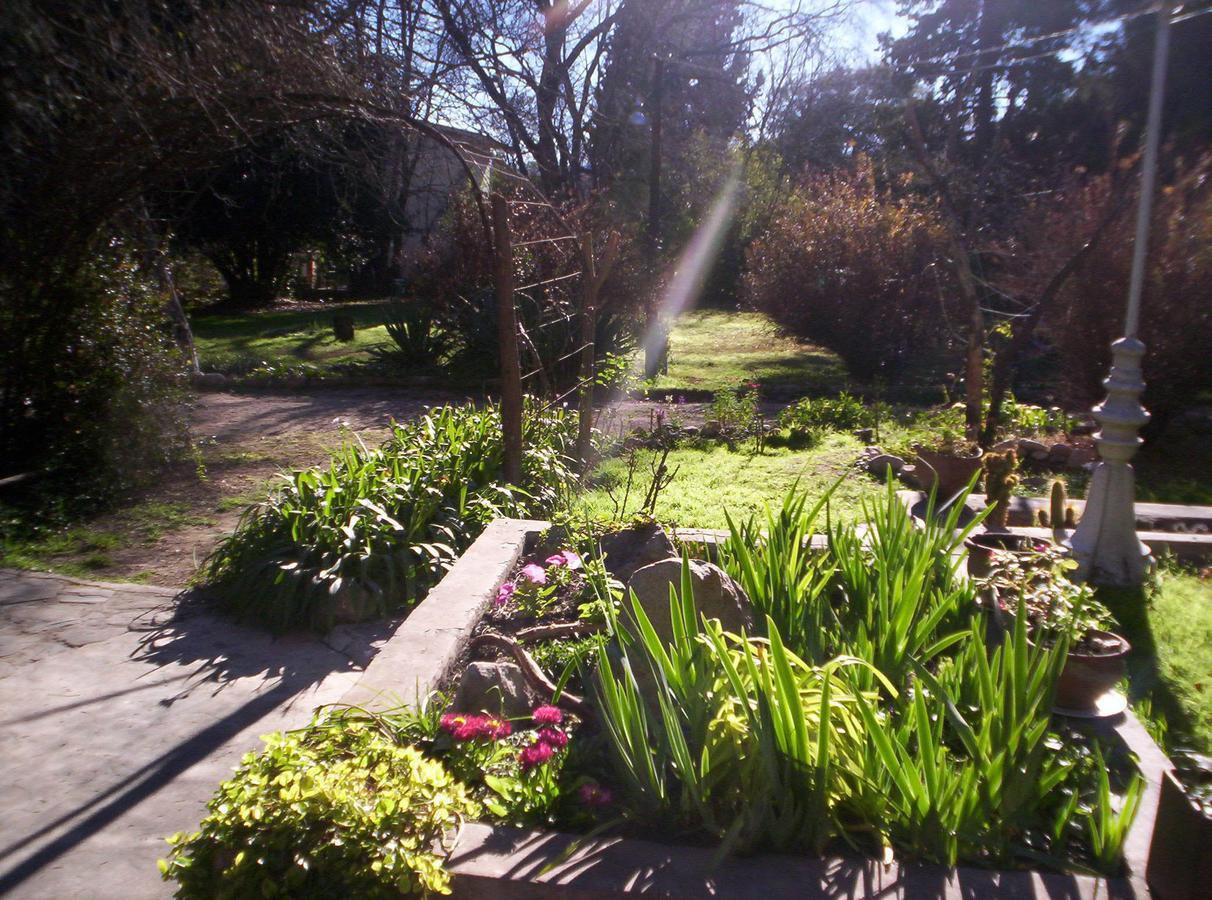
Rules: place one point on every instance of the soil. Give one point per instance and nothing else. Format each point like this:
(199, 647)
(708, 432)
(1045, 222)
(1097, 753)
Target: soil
(162, 535)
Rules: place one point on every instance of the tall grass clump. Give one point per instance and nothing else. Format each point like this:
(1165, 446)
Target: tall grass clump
(873, 710)
(375, 528)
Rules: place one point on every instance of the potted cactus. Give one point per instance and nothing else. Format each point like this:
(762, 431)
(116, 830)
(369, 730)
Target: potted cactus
(1000, 481)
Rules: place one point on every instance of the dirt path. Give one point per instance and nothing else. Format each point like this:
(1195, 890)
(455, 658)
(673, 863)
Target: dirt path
(163, 535)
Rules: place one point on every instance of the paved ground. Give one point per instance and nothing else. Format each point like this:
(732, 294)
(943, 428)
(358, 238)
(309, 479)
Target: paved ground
(120, 711)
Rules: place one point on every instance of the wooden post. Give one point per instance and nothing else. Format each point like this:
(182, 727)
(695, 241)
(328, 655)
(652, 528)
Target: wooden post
(592, 280)
(507, 338)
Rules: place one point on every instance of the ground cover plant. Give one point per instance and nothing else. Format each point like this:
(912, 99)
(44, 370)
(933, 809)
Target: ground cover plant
(376, 527)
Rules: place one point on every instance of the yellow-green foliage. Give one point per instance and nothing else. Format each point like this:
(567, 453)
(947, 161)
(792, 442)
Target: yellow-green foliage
(324, 813)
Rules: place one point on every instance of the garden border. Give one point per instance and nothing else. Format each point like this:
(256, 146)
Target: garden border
(504, 862)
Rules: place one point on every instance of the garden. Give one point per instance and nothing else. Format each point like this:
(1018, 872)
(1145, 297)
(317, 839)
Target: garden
(706, 458)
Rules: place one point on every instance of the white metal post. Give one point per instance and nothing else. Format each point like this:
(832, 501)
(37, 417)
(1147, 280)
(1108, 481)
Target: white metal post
(1105, 543)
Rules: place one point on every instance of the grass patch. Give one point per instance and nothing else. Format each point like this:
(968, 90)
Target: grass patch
(1170, 629)
(712, 350)
(85, 550)
(237, 343)
(1180, 614)
(713, 478)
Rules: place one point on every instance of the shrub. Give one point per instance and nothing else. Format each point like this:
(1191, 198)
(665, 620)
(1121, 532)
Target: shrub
(812, 414)
(92, 391)
(420, 339)
(855, 270)
(377, 527)
(343, 812)
(1176, 317)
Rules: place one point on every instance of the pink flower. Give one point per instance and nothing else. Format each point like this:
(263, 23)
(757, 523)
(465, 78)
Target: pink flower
(534, 755)
(547, 715)
(505, 592)
(534, 574)
(496, 728)
(463, 727)
(567, 558)
(553, 737)
(593, 794)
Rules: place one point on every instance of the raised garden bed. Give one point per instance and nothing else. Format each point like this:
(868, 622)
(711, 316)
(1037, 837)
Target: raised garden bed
(493, 861)
(1185, 531)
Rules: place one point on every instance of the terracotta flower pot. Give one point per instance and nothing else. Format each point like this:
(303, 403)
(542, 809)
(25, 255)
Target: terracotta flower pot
(946, 472)
(1087, 676)
(983, 544)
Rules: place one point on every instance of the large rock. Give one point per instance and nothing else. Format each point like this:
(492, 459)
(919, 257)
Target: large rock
(497, 688)
(633, 548)
(878, 465)
(716, 595)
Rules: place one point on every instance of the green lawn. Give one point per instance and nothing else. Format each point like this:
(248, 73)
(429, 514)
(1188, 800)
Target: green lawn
(713, 479)
(711, 350)
(237, 343)
(1170, 629)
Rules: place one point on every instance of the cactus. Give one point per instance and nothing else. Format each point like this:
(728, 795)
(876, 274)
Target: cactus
(1000, 481)
(1070, 517)
(1059, 500)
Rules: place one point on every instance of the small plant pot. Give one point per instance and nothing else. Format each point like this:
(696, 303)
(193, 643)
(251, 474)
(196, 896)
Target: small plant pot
(982, 545)
(946, 473)
(1087, 676)
(1180, 855)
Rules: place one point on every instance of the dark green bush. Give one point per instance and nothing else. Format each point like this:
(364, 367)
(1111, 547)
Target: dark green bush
(92, 391)
(373, 530)
(324, 812)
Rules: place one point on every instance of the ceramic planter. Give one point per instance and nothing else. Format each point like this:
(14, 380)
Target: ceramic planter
(1087, 676)
(947, 473)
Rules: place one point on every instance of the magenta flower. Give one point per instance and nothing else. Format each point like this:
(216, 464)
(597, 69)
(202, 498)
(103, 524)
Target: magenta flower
(567, 558)
(505, 592)
(547, 715)
(463, 727)
(553, 737)
(496, 728)
(534, 574)
(534, 755)
(594, 795)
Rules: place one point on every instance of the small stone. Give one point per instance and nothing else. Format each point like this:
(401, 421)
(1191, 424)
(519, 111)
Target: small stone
(1029, 449)
(1003, 446)
(878, 465)
(210, 379)
(716, 595)
(633, 548)
(497, 688)
(1059, 454)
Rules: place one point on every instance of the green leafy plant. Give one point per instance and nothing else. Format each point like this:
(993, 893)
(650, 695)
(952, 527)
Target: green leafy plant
(733, 412)
(324, 812)
(419, 339)
(821, 414)
(377, 527)
(875, 710)
(1037, 581)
